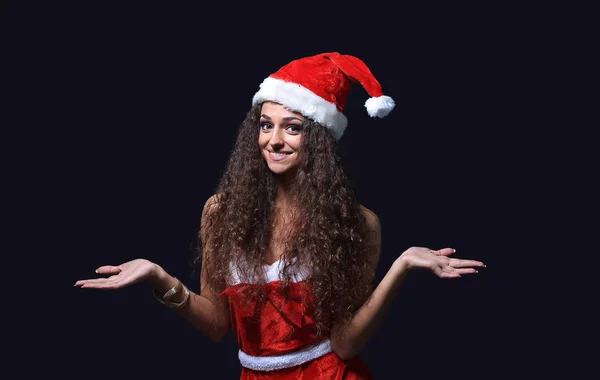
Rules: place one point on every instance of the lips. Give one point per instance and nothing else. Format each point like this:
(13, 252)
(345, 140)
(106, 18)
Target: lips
(278, 156)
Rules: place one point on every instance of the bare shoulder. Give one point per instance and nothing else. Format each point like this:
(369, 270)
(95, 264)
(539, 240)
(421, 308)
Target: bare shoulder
(211, 204)
(373, 235)
(371, 218)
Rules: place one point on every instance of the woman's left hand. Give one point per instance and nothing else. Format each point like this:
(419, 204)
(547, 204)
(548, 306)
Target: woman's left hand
(438, 262)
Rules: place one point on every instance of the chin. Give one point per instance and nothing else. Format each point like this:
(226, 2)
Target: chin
(281, 169)
(277, 170)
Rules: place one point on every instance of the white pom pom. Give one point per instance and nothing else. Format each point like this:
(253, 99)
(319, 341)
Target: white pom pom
(380, 106)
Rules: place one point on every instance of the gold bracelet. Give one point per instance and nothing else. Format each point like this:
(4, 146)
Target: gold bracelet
(166, 298)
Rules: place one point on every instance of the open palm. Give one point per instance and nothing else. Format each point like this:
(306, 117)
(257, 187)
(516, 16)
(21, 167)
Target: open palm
(438, 262)
(123, 275)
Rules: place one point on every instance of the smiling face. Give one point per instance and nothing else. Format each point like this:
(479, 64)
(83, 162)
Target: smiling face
(280, 137)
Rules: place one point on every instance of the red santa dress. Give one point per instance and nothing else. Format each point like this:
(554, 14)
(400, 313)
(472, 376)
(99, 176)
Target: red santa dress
(277, 336)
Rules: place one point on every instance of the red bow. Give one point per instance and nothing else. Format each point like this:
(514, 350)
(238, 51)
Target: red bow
(290, 307)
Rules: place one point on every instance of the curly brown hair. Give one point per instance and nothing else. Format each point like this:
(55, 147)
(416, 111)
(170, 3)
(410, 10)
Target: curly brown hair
(329, 234)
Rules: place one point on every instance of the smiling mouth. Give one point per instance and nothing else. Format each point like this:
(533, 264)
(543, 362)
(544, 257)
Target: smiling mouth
(278, 156)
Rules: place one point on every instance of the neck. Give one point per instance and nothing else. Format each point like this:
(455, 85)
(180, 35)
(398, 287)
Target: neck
(284, 186)
(282, 199)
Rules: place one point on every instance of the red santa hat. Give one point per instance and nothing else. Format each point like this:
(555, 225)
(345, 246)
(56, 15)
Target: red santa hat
(317, 87)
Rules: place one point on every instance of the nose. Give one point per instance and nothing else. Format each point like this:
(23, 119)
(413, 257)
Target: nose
(277, 138)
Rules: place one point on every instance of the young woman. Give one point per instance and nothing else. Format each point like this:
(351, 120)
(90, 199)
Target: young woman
(288, 254)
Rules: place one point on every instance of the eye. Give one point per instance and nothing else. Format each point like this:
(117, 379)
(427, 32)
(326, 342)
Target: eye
(294, 128)
(265, 126)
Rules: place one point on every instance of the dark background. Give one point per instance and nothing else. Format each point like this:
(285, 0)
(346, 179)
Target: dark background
(128, 112)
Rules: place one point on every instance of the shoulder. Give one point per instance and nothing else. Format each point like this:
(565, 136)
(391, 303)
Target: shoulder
(211, 204)
(371, 219)
(373, 235)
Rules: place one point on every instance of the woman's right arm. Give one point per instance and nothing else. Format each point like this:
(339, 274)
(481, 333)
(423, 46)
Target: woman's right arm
(206, 311)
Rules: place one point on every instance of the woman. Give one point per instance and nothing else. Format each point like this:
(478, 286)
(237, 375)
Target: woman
(288, 254)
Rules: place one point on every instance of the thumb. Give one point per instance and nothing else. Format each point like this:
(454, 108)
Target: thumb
(108, 269)
(445, 251)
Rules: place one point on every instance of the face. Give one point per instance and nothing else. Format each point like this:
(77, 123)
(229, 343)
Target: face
(280, 137)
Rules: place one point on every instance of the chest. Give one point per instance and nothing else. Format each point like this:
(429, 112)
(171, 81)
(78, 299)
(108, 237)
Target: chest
(279, 242)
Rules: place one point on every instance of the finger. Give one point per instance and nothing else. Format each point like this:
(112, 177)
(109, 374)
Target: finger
(114, 282)
(449, 274)
(446, 272)
(108, 269)
(81, 282)
(466, 271)
(462, 263)
(91, 281)
(98, 283)
(444, 251)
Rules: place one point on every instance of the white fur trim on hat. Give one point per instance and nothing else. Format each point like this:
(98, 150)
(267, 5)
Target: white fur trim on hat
(304, 101)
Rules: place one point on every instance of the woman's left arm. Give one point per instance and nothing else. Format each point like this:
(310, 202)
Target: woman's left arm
(348, 338)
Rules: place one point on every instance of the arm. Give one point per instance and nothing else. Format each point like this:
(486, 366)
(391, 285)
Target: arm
(206, 311)
(348, 338)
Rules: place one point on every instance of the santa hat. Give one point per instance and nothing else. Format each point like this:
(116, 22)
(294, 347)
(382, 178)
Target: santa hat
(317, 87)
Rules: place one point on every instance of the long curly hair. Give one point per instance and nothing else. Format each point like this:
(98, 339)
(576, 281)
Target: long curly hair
(329, 233)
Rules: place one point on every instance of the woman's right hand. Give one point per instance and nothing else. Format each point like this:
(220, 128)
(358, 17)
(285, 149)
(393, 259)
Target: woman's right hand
(123, 275)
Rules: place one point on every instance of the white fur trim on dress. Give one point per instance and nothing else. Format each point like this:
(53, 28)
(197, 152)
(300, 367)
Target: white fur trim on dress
(272, 273)
(291, 359)
(302, 100)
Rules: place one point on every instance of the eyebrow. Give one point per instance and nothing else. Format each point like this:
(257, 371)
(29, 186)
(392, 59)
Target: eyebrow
(284, 119)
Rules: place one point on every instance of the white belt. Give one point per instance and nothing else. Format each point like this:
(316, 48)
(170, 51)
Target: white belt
(291, 359)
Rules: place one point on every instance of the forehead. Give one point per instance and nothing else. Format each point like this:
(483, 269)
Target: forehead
(272, 109)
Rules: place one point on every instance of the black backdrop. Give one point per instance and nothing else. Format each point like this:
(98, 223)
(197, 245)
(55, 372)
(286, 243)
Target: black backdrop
(129, 112)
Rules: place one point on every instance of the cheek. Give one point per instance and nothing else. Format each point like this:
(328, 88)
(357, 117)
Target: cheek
(296, 143)
(262, 140)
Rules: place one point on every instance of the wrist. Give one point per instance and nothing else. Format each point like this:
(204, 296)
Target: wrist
(161, 280)
(401, 265)
(170, 298)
